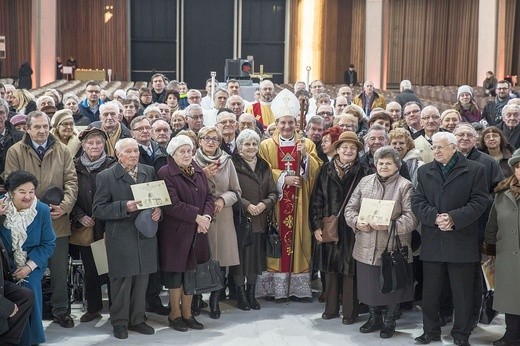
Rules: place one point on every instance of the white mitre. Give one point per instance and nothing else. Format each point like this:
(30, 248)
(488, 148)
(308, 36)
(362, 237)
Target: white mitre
(285, 104)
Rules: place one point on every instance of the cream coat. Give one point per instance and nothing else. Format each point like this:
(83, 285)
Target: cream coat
(368, 246)
(222, 235)
(503, 230)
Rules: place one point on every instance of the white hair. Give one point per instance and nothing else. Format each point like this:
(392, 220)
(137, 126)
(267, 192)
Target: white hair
(123, 143)
(448, 136)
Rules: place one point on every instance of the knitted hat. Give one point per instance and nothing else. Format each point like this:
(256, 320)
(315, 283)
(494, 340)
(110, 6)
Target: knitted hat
(120, 93)
(465, 89)
(178, 141)
(60, 116)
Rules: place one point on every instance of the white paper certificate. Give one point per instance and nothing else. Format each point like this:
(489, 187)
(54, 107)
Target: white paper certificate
(150, 195)
(376, 211)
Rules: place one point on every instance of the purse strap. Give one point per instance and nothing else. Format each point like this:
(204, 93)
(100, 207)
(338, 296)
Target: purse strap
(392, 234)
(348, 194)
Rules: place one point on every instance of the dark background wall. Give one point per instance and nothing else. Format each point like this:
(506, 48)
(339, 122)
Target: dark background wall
(153, 38)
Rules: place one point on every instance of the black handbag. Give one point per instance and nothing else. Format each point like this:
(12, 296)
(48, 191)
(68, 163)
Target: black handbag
(206, 277)
(273, 244)
(395, 271)
(487, 314)
(243, 225)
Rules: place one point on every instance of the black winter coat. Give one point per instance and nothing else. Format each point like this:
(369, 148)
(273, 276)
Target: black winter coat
(464, 196)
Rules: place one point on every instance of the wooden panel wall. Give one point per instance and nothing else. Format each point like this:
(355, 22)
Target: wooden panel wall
(338, 38)
(512, 26)
(433, 42)
(15, 25)
(83, 33)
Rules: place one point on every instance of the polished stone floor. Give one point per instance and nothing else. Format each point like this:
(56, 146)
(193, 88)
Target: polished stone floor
(277, 323)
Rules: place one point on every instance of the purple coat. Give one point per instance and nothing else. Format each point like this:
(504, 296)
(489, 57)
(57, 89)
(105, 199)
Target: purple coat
(190, 197)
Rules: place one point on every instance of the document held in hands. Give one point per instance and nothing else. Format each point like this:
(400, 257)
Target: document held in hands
(150, 195)
(376, 211)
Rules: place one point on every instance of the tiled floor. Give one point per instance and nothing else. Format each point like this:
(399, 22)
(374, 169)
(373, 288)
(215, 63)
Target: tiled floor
(275, 324)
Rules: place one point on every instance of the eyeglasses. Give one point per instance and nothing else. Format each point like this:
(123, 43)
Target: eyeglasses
(142, 128)
(195, 116)
(193, 97)
(210, 139)
(491, 136)
(93, 91)
(415, 111)
(325, 114)
(67, 124)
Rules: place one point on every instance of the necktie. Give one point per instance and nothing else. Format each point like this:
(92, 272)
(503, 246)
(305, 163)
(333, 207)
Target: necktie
(2, 137)
(41, 151)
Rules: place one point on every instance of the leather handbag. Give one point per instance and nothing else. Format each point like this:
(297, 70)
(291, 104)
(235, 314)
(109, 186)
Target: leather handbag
(82, 236)
(395, 271)
(243, 225)
(329, 230)
(273, 245)
(206, 277)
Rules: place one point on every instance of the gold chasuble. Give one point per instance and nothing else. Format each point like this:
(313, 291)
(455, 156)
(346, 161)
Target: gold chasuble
(262, 112)
(282, 158)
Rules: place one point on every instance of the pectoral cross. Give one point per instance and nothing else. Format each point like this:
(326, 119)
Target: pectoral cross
(288, 168)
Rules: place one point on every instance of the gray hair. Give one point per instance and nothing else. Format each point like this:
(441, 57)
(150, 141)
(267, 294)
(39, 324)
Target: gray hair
(70, 96)
(388, 152)
(467, 125)
(315, 119)
(4, 104)
(36, 114)
(450, 137)
(109, 105)
(137, 119)
(122, 143)
(191, 108)
(44, 98)
(510, 108)
(223, 114)
(151, 109)
(430, 108)
(393, 103)
(323, 96)
(405, 85)
(247, 135)
(375, 127)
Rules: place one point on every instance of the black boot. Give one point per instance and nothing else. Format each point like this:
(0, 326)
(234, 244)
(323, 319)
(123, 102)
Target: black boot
(232, 287)
(374, 322)
(251, 298)
(242, 302)
(214, 305)
(389, 323)
(196, 304)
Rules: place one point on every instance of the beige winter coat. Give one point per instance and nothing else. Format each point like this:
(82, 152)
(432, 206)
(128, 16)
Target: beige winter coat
(368, 246)
(56, 169)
